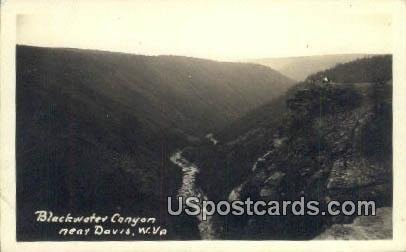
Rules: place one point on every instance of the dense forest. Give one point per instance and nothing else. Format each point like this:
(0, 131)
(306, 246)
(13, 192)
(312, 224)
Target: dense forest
(371, 69)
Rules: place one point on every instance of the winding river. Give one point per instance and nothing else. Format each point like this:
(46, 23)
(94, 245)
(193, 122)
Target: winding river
(189, 189)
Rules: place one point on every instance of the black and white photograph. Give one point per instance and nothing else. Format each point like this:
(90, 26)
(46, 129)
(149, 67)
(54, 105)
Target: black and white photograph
(205, 120)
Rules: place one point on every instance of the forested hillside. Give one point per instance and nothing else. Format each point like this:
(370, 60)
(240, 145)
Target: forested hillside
(372, 69)
(298, 68)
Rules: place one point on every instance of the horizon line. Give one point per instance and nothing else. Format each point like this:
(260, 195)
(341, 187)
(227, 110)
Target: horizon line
(245, 60)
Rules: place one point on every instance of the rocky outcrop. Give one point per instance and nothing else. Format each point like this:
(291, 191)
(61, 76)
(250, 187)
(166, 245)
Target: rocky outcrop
(271, 184)
(320, 153)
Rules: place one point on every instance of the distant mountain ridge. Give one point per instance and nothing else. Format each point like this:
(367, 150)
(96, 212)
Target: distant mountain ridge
(298, 68)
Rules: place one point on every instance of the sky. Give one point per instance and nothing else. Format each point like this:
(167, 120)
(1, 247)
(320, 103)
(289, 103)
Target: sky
(220, 30)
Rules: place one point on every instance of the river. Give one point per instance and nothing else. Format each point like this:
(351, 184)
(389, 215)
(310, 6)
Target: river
(189, 189)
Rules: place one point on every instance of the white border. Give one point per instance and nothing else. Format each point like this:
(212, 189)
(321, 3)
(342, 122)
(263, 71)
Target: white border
(9, 10)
